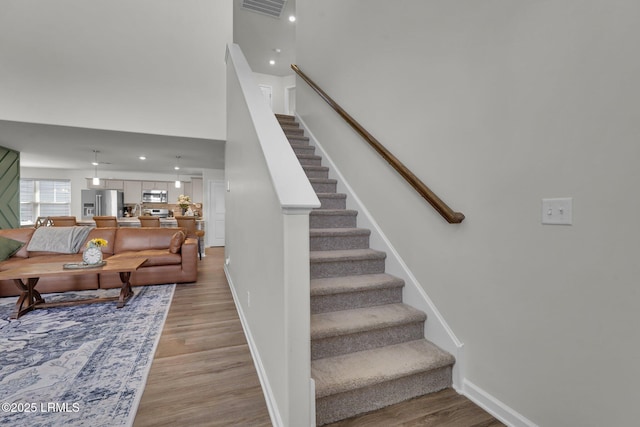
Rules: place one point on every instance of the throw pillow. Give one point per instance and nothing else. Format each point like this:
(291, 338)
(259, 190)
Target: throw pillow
(176, 242)
(8, 247)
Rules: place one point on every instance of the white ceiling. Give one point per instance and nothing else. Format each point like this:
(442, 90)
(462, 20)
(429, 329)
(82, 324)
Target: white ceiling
(71, 147)
(259, 35)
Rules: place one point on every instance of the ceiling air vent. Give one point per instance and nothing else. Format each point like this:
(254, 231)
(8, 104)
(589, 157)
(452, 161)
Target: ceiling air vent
(271, 8)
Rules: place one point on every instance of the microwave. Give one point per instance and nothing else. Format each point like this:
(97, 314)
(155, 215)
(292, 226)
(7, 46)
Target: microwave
(154, 196)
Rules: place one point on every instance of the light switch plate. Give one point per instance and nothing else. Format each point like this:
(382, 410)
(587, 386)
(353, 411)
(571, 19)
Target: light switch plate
(557, 211)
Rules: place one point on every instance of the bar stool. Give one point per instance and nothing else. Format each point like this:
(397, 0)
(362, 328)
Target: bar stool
(149, 221)
(105, 221)
(42, 221)
(63, 221)
(188, 223)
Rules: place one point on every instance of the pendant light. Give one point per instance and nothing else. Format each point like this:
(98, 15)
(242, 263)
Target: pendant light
(96, 180)
(177, 168)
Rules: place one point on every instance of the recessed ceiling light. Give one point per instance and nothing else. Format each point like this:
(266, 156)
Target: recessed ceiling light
(142, 158)
(272, 62)
(276, 50)
(292, 18)
(177, 168)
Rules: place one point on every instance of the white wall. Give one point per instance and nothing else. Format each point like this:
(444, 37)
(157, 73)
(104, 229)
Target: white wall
(278, 85)
(496, 105)
(148, 66)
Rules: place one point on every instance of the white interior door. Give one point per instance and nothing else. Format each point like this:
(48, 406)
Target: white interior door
(267, 92)
(215, 228)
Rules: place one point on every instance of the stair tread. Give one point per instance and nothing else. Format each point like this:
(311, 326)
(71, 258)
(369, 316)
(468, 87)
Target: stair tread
(315, 167)
(333, 195)
(320, 211)
(352, 371)
(308, 156)
(300, 137)
(346, 255)
(323, 180)
(301, 145)
(316, 232)
(345, 322)
(361, 282)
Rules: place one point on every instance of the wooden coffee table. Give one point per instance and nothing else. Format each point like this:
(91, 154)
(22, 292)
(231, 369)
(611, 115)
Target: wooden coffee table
(26, 278)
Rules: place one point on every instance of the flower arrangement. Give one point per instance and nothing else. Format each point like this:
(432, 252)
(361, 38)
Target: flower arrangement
(184, 201)
(97, 242)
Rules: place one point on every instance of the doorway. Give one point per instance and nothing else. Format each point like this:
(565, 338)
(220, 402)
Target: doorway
(290, 100)
(267, 92)
(215, 226)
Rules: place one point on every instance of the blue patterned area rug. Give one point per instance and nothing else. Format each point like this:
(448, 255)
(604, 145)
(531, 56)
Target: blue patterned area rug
(84, 365)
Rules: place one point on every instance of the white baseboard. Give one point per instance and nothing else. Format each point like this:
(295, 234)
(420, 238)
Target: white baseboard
(494, 406)
(436, 328)
(272, 406)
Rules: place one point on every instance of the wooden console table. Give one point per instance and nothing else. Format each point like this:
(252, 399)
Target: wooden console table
(26, 278)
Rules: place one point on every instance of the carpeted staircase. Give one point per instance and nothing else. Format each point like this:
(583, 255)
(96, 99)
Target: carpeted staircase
(367, 348)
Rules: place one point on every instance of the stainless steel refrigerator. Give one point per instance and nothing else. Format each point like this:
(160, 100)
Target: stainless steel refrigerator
(102, 202)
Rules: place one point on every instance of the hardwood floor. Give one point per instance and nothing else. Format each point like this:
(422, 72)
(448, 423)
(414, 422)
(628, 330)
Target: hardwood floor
(442, 409)
(203, 374)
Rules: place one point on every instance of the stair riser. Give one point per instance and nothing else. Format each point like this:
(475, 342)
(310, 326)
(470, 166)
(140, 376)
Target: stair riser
(332, 202)
(291, 129)
(324, 187)
(310, 162)
(330, 243)
(309, 149)
(332, 221)
(297, 139)
(344, 405)
(351, 300)
(287, 121)
(321, 270)
(317, 173)
(335, 346)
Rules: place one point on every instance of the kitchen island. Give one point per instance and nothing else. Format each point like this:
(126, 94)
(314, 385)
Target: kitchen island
(134, 222)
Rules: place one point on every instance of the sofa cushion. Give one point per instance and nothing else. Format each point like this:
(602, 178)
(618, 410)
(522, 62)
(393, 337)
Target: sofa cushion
(8, 247)
(137, 239)
(176, 242)
(154, 257)
(106, 233)
(21, 235)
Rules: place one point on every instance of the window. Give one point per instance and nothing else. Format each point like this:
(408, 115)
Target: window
(44, 197)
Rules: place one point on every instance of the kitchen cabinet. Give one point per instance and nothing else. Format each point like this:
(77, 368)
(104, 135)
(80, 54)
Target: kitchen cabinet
(187, 189)
(132, 192)
(114, 184)
(91, 185)
(155, 185)
(106, 184)
(196, 190)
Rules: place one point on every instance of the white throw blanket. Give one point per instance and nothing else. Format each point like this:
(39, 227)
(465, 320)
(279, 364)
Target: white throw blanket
(64, 240)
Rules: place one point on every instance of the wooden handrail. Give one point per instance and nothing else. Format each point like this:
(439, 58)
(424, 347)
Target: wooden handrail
(443, 209)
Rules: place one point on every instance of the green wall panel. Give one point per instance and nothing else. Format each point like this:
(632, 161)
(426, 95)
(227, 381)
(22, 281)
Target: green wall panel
(9, 188)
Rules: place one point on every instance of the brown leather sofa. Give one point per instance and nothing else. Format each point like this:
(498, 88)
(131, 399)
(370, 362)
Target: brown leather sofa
(169, 259)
